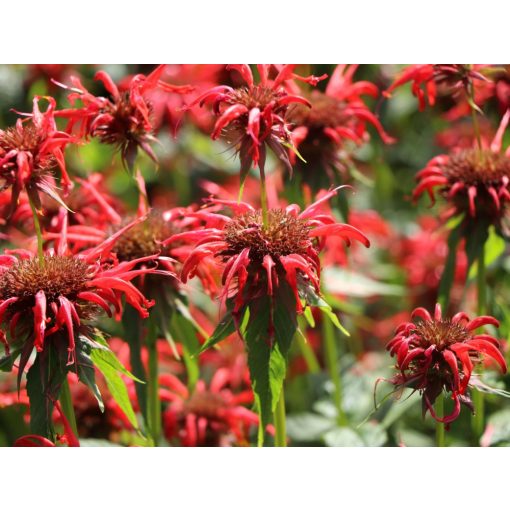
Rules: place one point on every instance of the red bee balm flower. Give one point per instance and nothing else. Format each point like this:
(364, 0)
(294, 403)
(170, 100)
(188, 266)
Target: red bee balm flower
(210, 416)
(29, 152)
(124, 119)
(258, 257)
(254, 116)
(475, 181)
(336, 115)
(62, 293)
(455, 77)
(439, 354)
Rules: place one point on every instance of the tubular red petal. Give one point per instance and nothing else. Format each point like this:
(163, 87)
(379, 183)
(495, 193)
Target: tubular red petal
(39, 311)
(245, 71)
(422, 313)
(471, 195)
(482, 321)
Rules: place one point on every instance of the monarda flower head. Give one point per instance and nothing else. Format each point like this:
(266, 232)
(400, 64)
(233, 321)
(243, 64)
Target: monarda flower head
(257, 258)
(439, 354)
(426, 78)
(211, 415)
(29, 153)
(474, 181)
(51, 300)
(337, 115)
(253, 117)
(124, 119)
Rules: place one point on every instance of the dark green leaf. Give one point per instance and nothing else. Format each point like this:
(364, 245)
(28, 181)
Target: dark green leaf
(41, 407)
(224, 329)
(448, 275)
(115, 384)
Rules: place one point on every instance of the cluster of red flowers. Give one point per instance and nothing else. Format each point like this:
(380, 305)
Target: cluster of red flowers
(78, 258)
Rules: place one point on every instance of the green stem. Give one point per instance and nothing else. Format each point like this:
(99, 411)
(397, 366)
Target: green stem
(263, 196)
(331, 358)
(38, 232)
(478, 420)
(308, 354)
(280, 437)
(440, 430)
(472, 104)
(66, 402)
(153, 403)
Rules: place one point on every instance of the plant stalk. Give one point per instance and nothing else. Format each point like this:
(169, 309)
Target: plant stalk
(331, 358)
(153, 402)
(478, 420)
(66, 402)
(38, 232)
(440, 428)
(280, 438)
(308, 354)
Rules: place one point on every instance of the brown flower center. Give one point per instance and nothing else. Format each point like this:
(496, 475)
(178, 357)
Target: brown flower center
(27, 139)
(475, 168)
(440, 333)
(257, 97)
(325, 112)
(126, 123)
(206, 404)
(60, 276)
(144, 239)
(283, 235)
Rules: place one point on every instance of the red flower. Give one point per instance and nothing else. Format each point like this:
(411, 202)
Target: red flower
(336, 115)
(210, 416)
(426, 78)
(474, 181)
(29, 152)
(254, 116)
(423, 274)
(124, 119)
(257, 257)
(63, 292)
(440, 354)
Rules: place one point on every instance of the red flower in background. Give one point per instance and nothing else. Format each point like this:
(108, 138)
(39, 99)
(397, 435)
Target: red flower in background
(426, 78)
(336, 115)
(125, 118)
(210, 416)
(439, 354)
(254, 116)
(423, 274)
(29, 153)
(257, 257)
(472, 180)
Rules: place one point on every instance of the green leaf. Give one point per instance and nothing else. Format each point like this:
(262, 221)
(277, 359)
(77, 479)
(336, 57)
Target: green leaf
(268, 333)
(257, 340)
(343, 436)
(349, 283)
(41, 407)
(493, 249)
(499, 424)
(7, 361)
(308, 427)
(224, 329)
(86, 371)
(105, 356)
(115, 384)
(131, 323)
(183, 331)
(475, 240)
